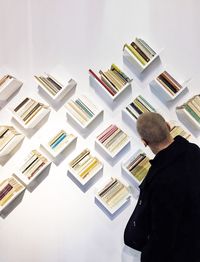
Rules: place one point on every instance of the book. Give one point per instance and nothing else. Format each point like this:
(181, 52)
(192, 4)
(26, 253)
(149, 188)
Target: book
(137, 48)
(99, 80)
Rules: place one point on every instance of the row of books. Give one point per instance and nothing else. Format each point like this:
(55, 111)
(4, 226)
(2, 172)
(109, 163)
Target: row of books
(192, 106)
(7, 133)
(28, 109)
(138, 166)
(178, 131)
(82, 109)
(113, 80)
(33, 163)
(113, 193)
(169, 83)
(139, 106)
(141, 50)
(84, 164)
(52, 85)
(113, 138)
(8, 188)
(59, 140)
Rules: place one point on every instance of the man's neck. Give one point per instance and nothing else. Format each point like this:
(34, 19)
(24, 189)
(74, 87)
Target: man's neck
(157, 148)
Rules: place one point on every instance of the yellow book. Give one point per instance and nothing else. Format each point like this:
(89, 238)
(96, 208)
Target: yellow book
(136, 54)
(89, 168)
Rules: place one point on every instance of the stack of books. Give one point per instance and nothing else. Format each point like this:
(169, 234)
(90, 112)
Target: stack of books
(113, 139)
(60, 140)
(7, 135)
(113, 193)
(141, 51)
(33, 164)
(51, 85)
(139, 106)
(82, 110)
(28, 109)
(169, 83)
(9, 189)
(112, 80)
(192, 107)
(138, 166)
(84, 166)
(178, 131)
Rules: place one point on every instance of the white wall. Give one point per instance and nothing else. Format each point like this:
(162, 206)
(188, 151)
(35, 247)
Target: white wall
(58, 222)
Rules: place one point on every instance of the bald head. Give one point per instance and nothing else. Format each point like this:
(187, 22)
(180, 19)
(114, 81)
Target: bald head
(152, 128)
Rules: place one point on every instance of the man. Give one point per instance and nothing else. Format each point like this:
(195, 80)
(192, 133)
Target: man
(165, 225)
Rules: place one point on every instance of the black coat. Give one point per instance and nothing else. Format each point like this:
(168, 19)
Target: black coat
(165, 225)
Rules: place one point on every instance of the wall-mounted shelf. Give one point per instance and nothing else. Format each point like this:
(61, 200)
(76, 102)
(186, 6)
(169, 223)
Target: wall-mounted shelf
(111, 82)
(83, 111)
(191, 111)
(112, 140)
(56, 144)
(10, 188)
(113, 194)
(9, 139)
(56, 84)
(29, 113)
(137, 107)
(139, 54)
(137, 167)
(85, 166)
(8, 85)
(31, 167)
(167, 87)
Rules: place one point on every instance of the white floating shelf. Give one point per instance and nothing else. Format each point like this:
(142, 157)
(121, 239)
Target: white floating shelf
(125, 164)
(106, 92)
(66, 87)
(9, 87)
(15, 194)
(11, 145)
(26, 181)
(120, 204)
(187, 116)
(135, 62)
(161, 90)
(34, 121)
(132, 118)
(65, 143)
(78, 122)
(117, 151)
(92, 173)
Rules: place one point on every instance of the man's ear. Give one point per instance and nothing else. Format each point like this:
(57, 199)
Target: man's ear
(144, 142)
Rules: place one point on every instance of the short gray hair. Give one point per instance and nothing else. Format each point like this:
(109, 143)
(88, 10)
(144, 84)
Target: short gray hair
(152, 128)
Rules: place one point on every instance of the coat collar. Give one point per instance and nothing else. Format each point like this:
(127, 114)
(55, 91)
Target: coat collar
(165, 157)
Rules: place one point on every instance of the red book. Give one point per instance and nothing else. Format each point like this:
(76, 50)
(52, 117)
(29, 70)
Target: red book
(98, 79)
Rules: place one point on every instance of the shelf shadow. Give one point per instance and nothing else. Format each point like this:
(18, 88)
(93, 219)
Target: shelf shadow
(30, 132)
(38, 180)
(89, 184)
(5, 159)
(116, 213)
(5, 102)
(85, 132)
(146, 72)
(109, 159)
(66, 152)
(56, 105)
(112, 104)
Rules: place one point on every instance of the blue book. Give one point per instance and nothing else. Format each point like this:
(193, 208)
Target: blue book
(58, 141)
